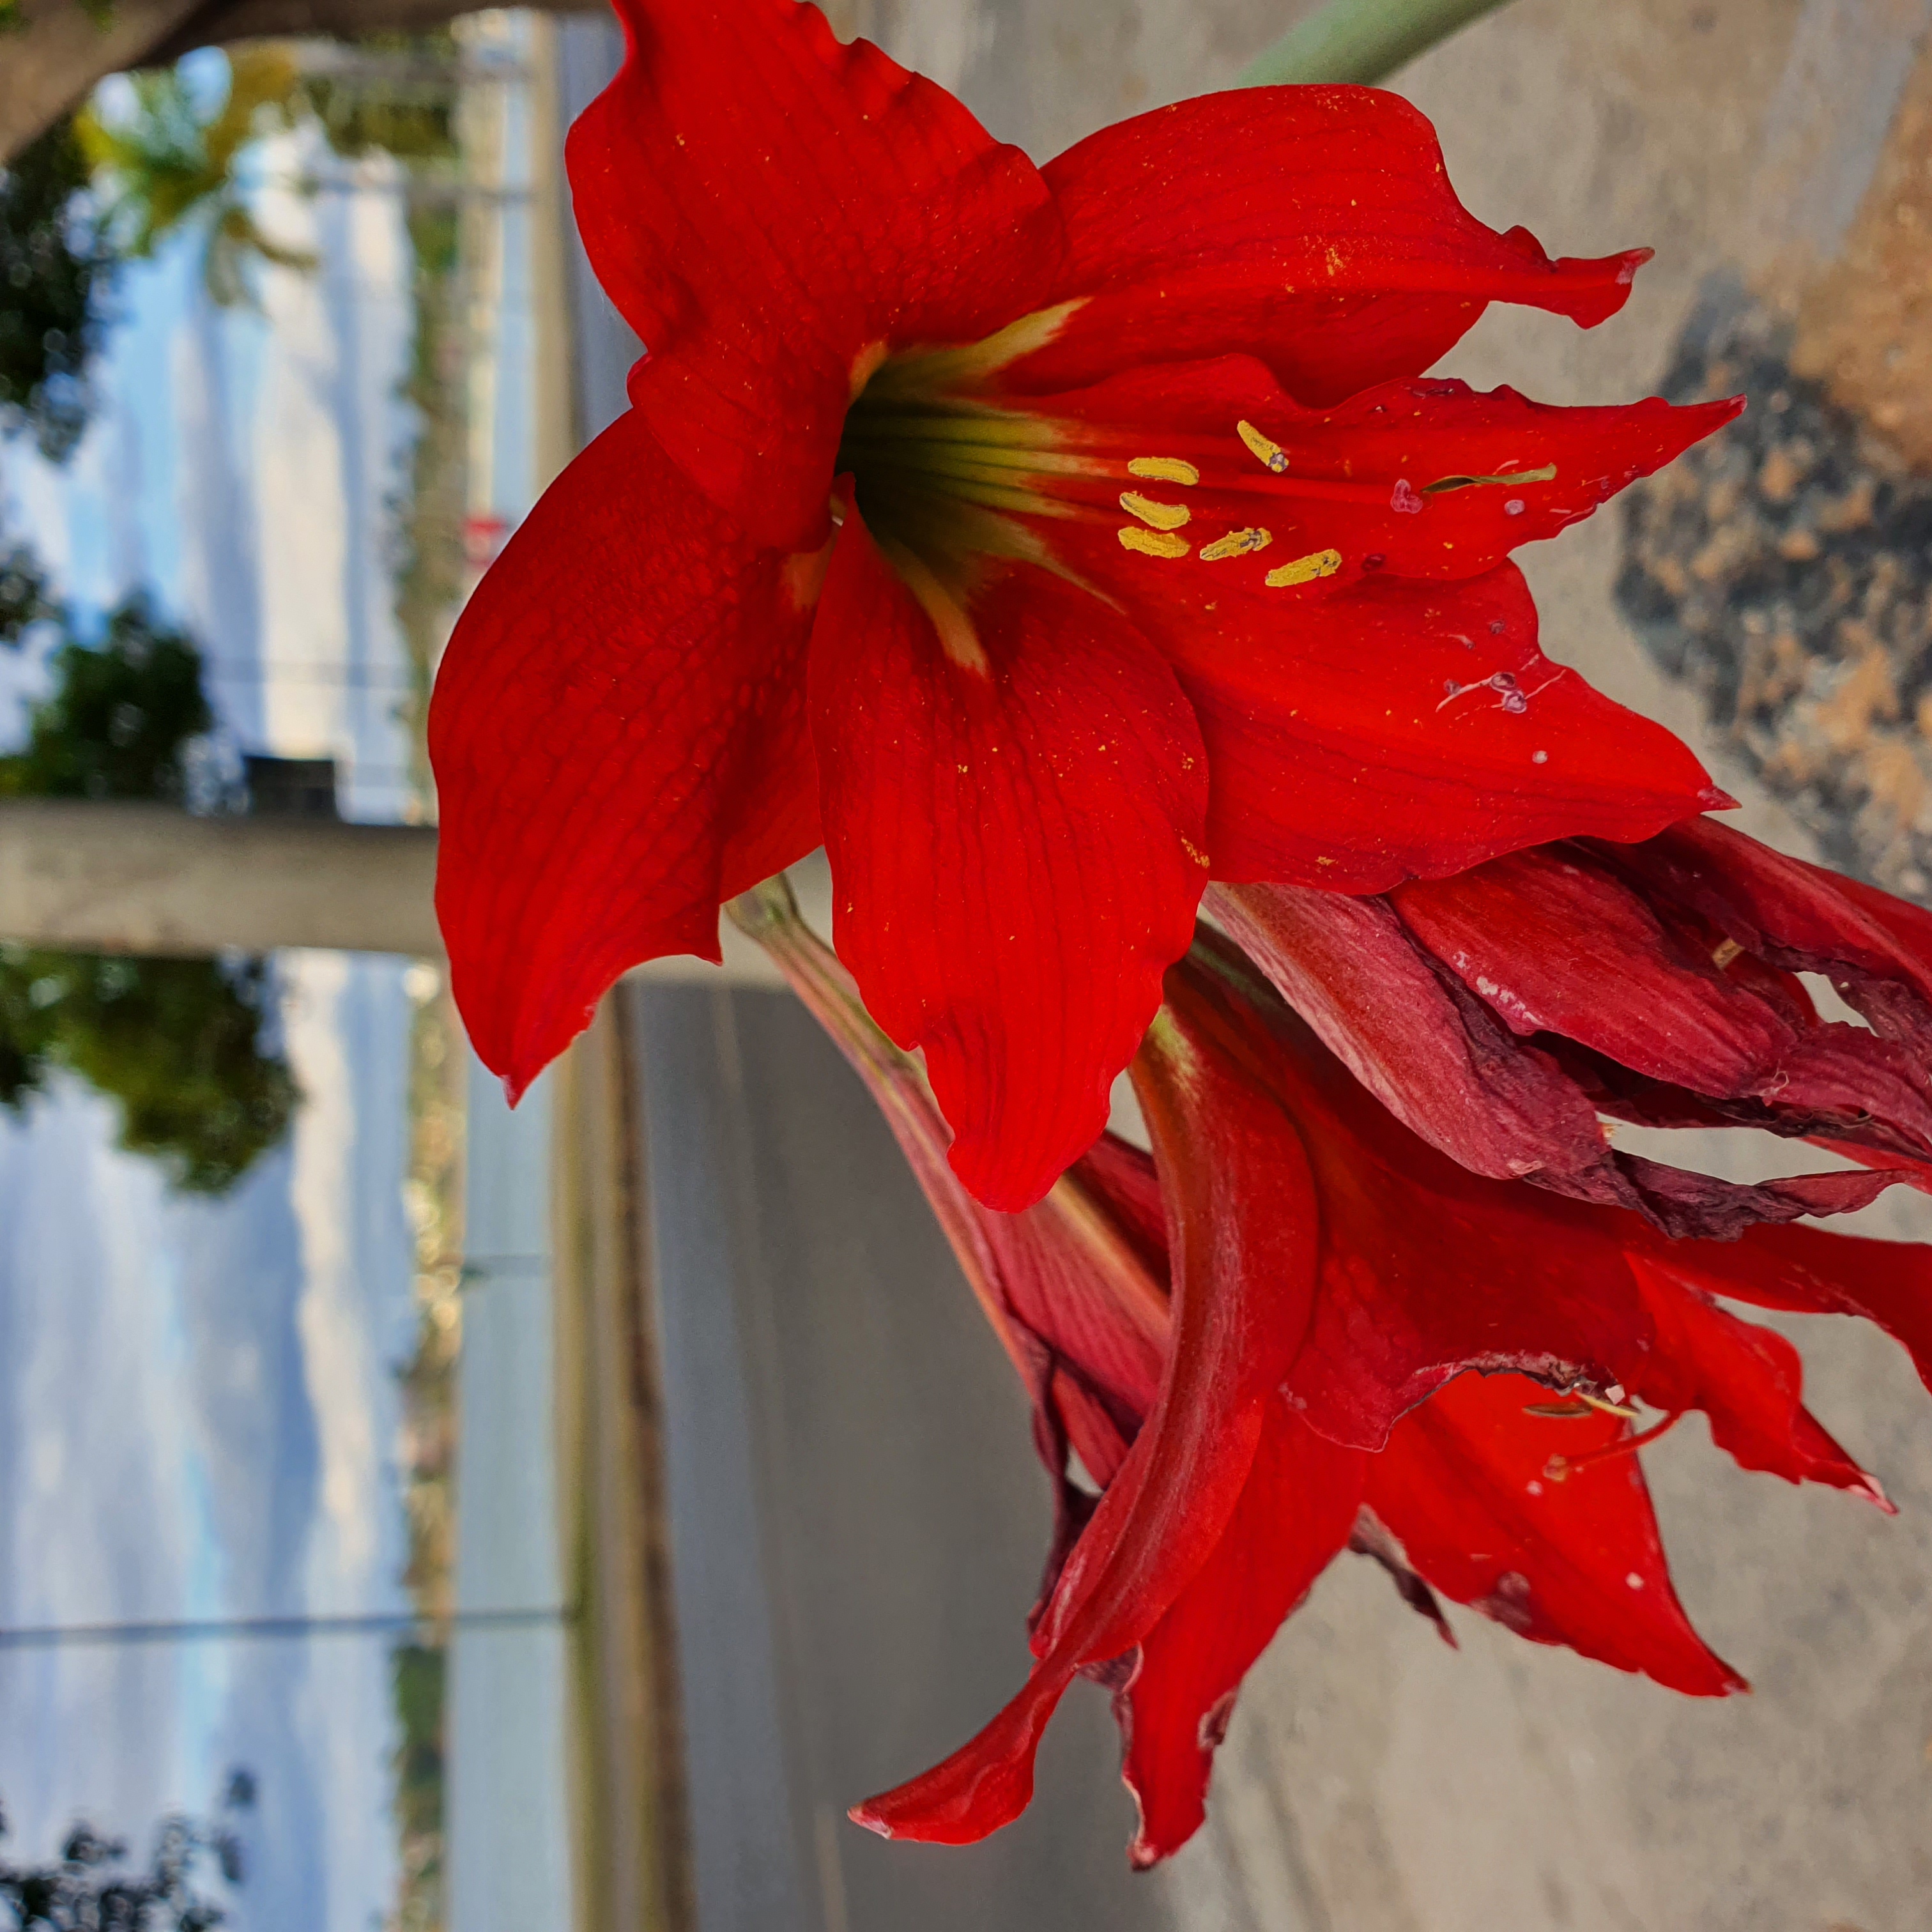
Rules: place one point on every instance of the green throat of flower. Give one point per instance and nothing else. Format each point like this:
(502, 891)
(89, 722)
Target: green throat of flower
(946, 478)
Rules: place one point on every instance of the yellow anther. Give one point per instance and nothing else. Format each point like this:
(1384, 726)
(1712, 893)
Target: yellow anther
(1263, 449)
(1152, 543)
(1236, 543)
(1722, 954)
(1305, 569)
(1545, 475)
(1161, 516)
(1164, 470)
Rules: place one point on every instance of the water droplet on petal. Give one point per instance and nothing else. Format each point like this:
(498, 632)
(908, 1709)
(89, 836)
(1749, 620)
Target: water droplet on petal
(1513, 507)
(1514, 701)
(1405, 498)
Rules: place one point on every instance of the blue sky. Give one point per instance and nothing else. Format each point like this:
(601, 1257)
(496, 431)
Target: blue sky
(197, 1402)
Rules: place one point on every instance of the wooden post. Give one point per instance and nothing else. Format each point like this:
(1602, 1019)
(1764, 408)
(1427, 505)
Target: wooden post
(110, 877)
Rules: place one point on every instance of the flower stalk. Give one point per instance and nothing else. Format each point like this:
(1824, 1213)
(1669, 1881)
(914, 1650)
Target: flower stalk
(769, 913)
(1362, 41)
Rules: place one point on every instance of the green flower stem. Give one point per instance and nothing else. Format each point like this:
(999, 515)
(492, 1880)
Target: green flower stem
(1359, 41)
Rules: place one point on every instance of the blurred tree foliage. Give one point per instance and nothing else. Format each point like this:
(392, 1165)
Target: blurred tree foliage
(119, 719)
(418, 1677)
(178, 1042)
(24, 599)
(56, 265)
(181, 1045)
(84, 1891)
(13, 14)
(401, 101)
(168, 161)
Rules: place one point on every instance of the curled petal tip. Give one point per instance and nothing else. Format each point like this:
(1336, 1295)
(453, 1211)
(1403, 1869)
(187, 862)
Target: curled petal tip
(515, 1086)
(1712, 798)
(867, 1815)
(1869, 1490)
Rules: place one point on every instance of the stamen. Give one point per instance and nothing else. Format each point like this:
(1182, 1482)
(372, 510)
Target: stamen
(1164, 470)
(1161, 516)
(1263, 449)
(1442, 483)
(1558, 1467)
(939, 372)
(1237, 543)
(1724, 952)
(1152, 543)
(1305, 569)
(953, 626)
(1597, 1402)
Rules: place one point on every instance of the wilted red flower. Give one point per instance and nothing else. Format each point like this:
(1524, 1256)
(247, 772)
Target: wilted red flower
(1043, 540)
(1257, 1344)
(1500, 1013)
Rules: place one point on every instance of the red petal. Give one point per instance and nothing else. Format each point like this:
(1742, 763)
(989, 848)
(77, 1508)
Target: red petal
(1746, 1378)
(1411, 730)
(1122, 1180)
(1452, 1076)
(1242, 1232)
(1440, 1060)
(620, 740)
(1426, 1269)
(1813, 1271)
(1464, 1485)
(1800, 917)
(1421, 1285)
(1688, 1206)
(1295, 1514)
(1415, 479)
(1014, 820)
(1312, 226)
(1533, 932)
(764, 205)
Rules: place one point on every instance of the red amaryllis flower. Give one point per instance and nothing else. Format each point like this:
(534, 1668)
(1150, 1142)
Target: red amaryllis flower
(1255, 1344)
(1499, 1013)
(1043, 541)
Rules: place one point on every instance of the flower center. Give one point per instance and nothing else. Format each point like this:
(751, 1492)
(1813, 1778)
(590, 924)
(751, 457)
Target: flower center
(940, 475)
(1204, 479)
